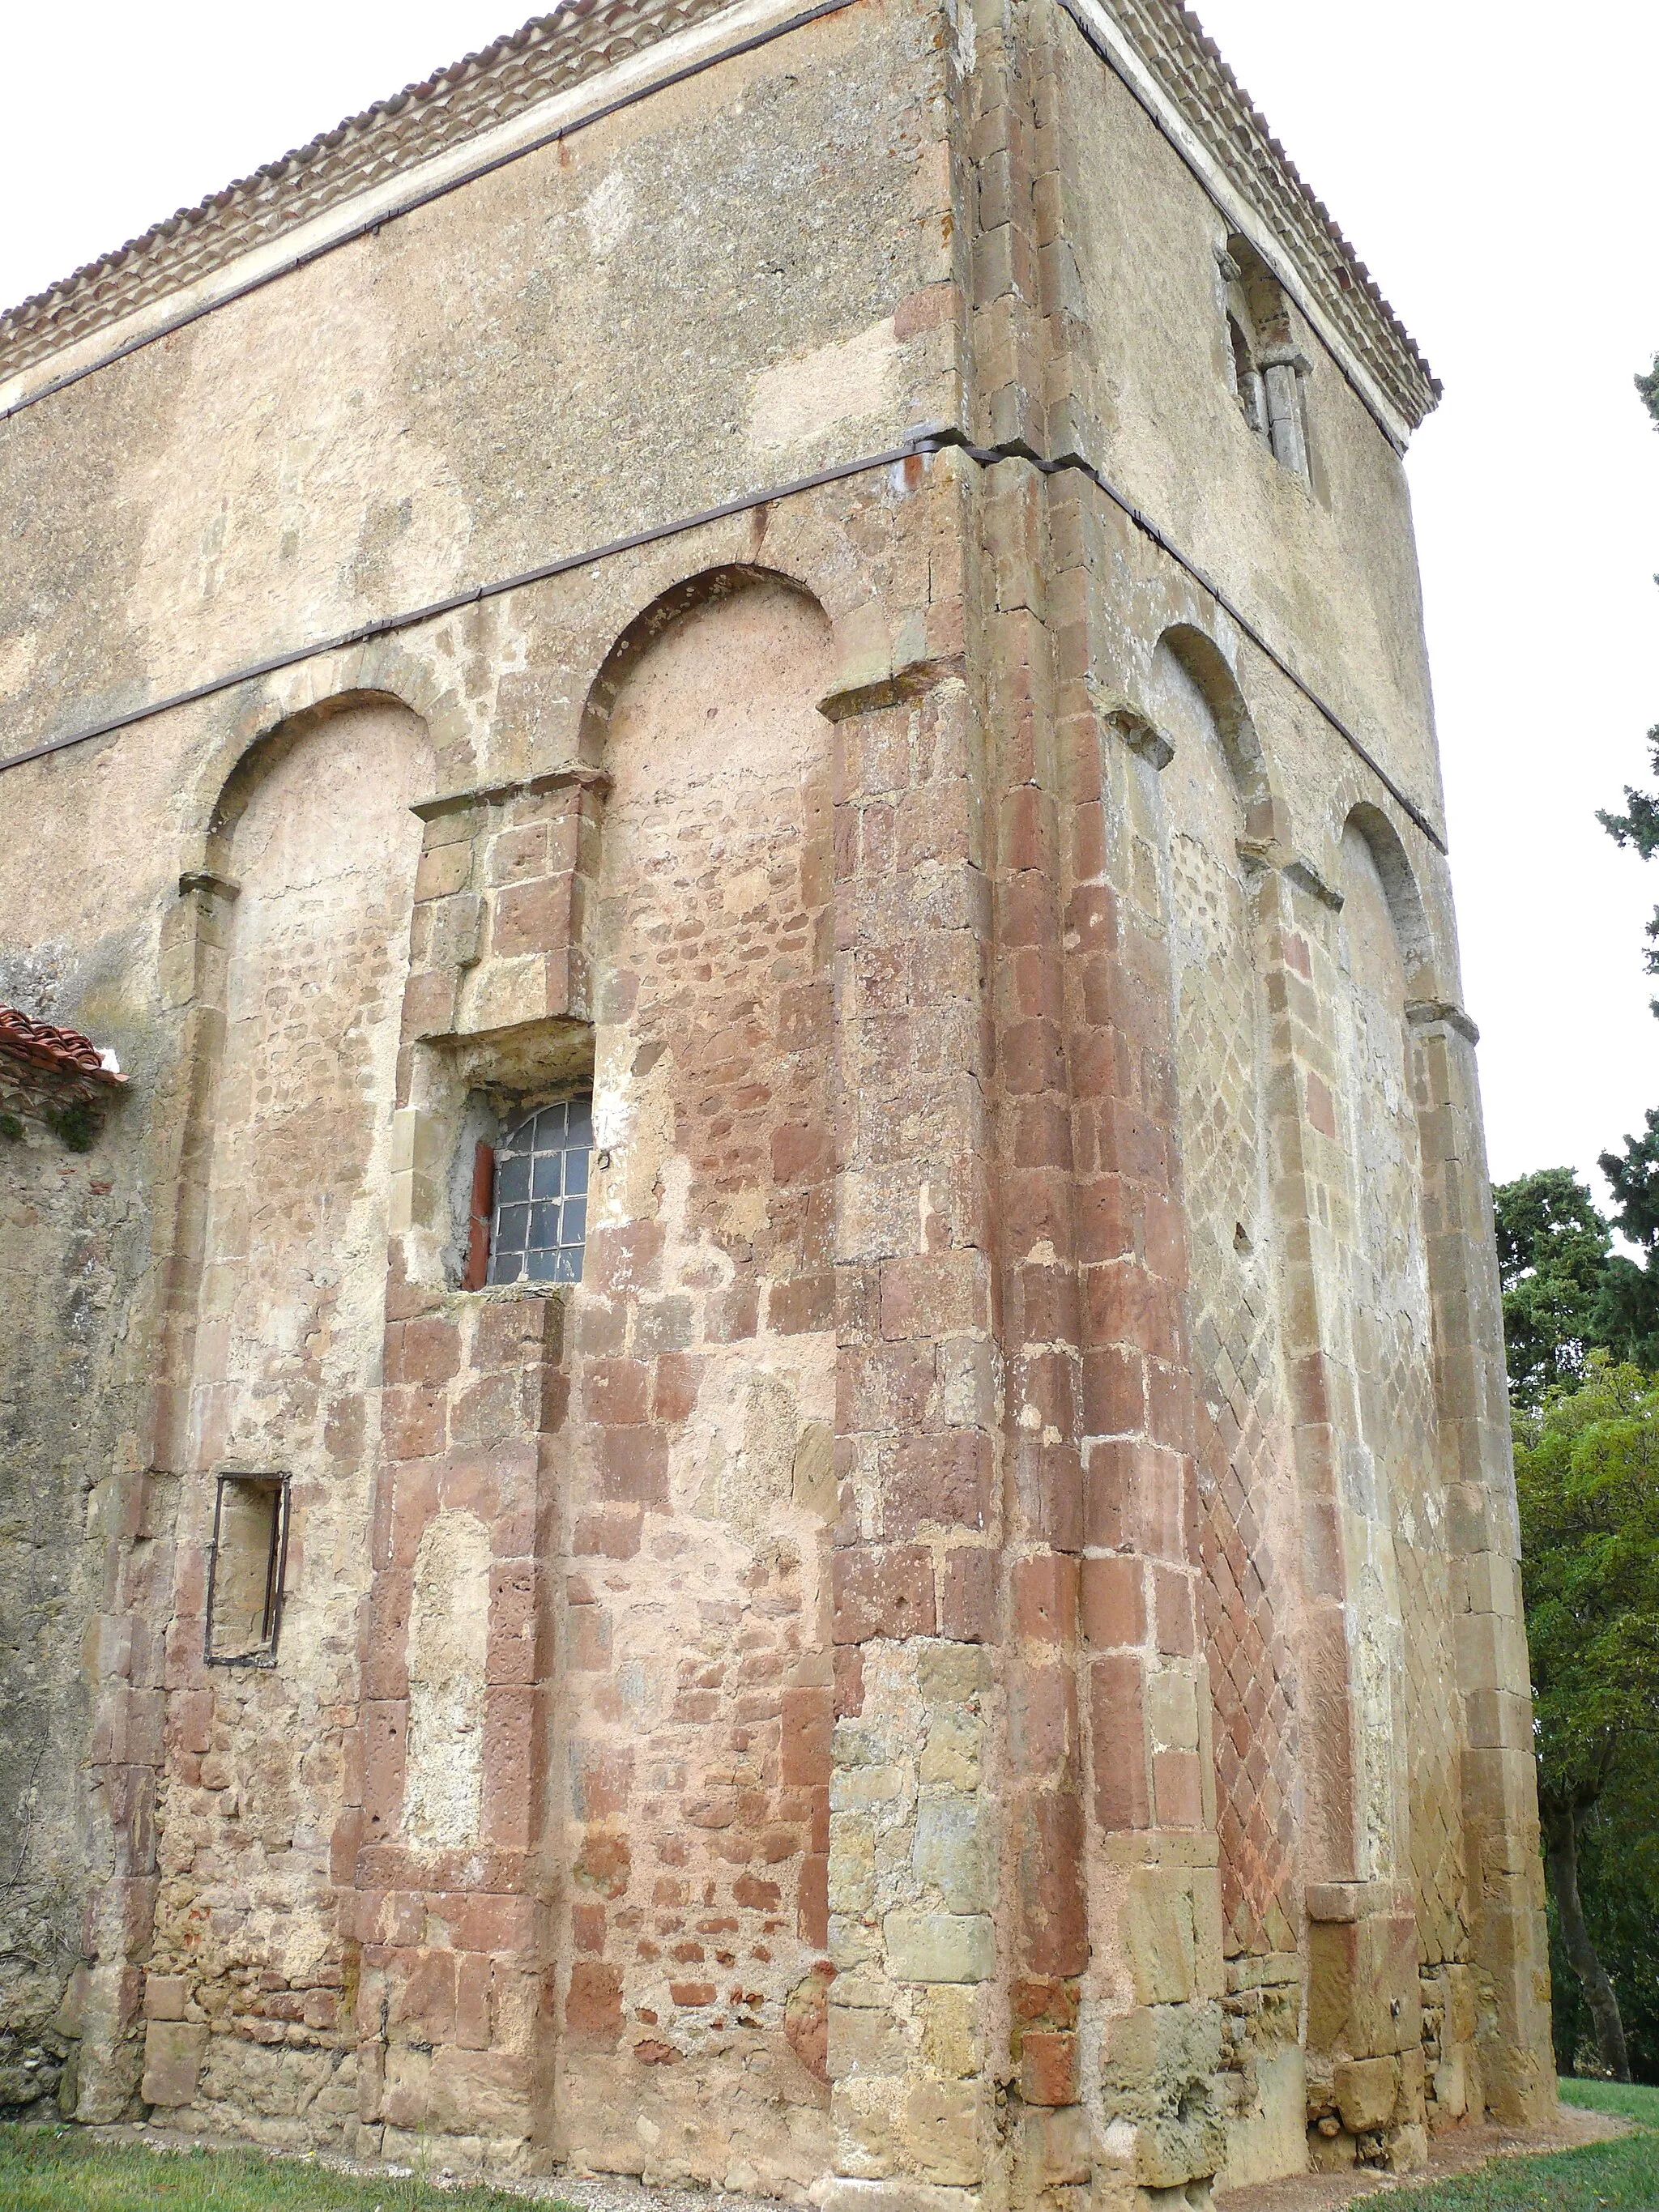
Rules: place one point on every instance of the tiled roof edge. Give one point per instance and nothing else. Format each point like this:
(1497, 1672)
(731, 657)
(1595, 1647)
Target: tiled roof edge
(66, 1052)
(551, 53)
(1189, 68)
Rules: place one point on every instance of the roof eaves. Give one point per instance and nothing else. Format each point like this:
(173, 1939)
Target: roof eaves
(1193, 74)
(545, 56)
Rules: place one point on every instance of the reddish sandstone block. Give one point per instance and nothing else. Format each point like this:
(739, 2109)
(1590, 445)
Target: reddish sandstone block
(1178, 1790)
(606, 1535)
(604, 1862)
(386, 1667)
(1322, 1108)
(1114, 1391)
(882, 1593)
(1042, 1716)
(1169, 1406)
(1045, 1590)
(1113, 1603)
(617, 1392)
(969, 1596)
(190, 1718)
(944, 1479)
(500, 1923)
(1053, 1937)
(1047, 2068)
(1164, 1237)
(803, 1756)
(511, 1654)
(519, 855)
(1120, 1742)
(531, 917)
(426, 1350)
(801, 1152)
(802, 1303)
(624, 1261)
(943, 1294)
(592, 2005)
(1133, 1494)
(1044, 2001)
(386, 1723)
(886, 1386)
(1128, 1304)
(423, 1995)
(634, 1467)
(412, 1421)
(495, 1408)
(678, 1377)
(734, 1315)
(508, 1814)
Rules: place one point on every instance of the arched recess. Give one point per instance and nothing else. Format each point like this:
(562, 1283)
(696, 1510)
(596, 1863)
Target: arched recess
(1403, 1597)
(1404, 901)
(1197, 656)
(1213, 790)
(278, 1279)
(708, 588)
(708, 1305)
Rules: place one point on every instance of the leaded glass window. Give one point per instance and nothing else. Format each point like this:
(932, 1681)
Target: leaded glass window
(539, 1223)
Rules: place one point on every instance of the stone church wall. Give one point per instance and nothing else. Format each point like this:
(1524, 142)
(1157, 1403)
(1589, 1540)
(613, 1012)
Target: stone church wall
(976, 1652)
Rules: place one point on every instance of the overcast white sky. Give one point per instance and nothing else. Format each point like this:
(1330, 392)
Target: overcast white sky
(1494, 168)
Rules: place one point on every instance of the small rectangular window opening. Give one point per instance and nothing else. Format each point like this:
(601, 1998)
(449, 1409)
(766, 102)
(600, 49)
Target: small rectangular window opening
(245, 1570)
(538, 1218)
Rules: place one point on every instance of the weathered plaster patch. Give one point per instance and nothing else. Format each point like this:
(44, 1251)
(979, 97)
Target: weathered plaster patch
(607, 211)
(843, 382)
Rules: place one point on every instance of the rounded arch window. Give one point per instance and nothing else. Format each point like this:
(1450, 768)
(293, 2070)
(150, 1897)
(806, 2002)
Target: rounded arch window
(539, 1223)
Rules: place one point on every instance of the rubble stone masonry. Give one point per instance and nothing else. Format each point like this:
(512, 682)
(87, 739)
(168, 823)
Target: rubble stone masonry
(725, 559)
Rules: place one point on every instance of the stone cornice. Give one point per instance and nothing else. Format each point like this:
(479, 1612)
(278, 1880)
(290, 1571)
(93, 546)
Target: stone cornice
(1203, 103)
(551, 54)
(1157, 46)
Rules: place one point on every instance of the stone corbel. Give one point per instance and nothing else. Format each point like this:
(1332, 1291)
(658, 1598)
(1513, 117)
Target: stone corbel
(1307, 877)
(1141, 735)
(1423, 1013)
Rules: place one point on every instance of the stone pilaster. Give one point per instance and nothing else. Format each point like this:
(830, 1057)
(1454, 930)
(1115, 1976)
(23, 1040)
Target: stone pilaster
(1510, 1949)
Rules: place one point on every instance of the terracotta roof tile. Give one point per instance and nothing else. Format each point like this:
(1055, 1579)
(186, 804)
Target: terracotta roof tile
(583, 38)
(65, 1051)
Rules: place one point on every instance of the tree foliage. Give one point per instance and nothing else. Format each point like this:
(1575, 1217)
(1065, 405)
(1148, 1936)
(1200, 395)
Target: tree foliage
(1619, 1885)
(1552, 1249)
(1581, 1330)
(1566, 1292)
(1586, 1482)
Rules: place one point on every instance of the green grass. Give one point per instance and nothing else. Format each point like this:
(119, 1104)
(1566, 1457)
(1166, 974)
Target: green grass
(1621, 2176)
(1628, 2098)
(59, 2170)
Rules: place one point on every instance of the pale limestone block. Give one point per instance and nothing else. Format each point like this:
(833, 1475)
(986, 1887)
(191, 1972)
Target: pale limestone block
(939, 1947)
